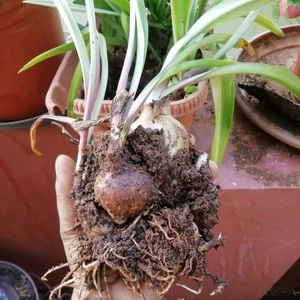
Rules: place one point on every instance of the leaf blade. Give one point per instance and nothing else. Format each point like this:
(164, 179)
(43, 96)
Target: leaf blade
(223, 91)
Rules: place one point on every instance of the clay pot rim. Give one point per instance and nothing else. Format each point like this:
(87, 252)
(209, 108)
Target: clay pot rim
(260, 38)
(269, 126)
(201, 85)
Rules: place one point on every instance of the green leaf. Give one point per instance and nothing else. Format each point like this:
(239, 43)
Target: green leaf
(94, 72)
(142, 43)
(218, 15)
(74, 91)
(201, 7)
(53, 52)
(73, 7)
(223, 91)
(131, 48)
(181, 11)
(281, 75)
(123, 5)
(77, 38)
(104, 77)
(191, 89)
(237, 35)
(268, 24)
(125, 24)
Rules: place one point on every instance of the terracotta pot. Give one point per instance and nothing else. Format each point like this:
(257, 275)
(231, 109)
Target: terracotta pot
(274, 114)
(29, 233)
(26, 31)
(183, 110)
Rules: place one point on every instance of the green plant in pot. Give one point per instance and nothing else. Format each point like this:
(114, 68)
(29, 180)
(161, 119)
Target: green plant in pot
(169, 21)
(144, 196)
(114, 25)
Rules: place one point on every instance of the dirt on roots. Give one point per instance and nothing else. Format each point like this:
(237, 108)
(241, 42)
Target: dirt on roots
(171, 236)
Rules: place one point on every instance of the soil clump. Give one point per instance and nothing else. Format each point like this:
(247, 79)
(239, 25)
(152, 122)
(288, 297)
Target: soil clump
(170, 237)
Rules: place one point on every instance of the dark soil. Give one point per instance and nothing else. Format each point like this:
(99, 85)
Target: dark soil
(170, 238)
(115, 68)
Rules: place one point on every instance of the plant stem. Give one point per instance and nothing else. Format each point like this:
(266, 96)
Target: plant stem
(122, 85)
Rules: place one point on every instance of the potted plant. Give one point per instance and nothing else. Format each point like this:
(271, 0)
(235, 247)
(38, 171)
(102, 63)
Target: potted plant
(275, 109)
(114, 25)
(24, 27)
(142, 186)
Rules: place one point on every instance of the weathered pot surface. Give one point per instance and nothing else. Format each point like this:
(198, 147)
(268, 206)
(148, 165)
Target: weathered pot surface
(280, 51)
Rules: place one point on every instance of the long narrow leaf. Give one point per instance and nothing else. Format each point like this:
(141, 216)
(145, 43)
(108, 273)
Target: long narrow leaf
(223, 91)
(123, 5)
(238, 34)
(269, 24)
(74, 90)
(104, 77)
(220, 13)
(94, 75)
(131, 48)
(180, 10)
(77, 38)
(281, 75)
(53, 52)
(142, 43)
(201, 7)
(73, 7)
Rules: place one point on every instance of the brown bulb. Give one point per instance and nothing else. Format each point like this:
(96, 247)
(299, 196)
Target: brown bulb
(123, 195)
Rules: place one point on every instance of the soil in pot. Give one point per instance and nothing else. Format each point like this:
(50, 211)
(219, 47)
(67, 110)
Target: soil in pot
(167, 227)
(269, 93)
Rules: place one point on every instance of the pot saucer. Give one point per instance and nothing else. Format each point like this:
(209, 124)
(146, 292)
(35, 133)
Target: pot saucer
(15, 283)
(268, 46)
